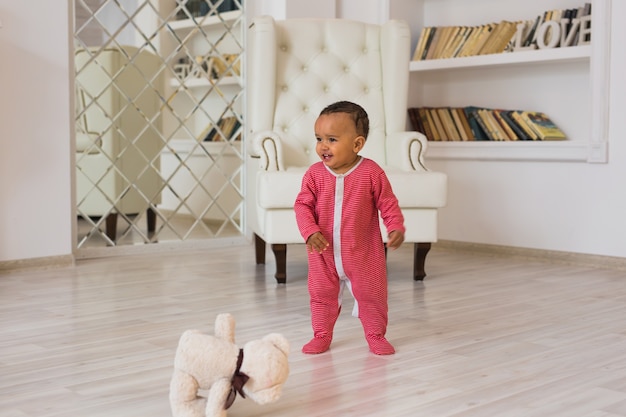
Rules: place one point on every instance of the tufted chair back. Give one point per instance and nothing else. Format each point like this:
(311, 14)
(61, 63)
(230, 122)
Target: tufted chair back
(318, 62)
(296, 67)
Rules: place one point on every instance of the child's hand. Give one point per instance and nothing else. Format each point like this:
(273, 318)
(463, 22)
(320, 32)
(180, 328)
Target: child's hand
(316, 243)
(395, 239)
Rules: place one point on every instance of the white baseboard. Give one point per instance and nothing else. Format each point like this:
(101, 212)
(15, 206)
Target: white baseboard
(30, 264)
(569, 258)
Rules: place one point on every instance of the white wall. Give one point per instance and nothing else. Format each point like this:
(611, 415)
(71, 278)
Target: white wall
(284, 9)
(35, 166)
(575, 207)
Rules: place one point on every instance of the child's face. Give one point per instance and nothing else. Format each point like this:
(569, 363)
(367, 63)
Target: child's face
(338, 143)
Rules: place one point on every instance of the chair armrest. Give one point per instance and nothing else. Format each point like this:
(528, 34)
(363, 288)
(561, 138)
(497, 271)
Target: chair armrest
(268, 147)
(406, 150)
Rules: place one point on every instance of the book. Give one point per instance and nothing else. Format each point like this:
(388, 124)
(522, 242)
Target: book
(446, 32)
(492, 124)
(482, 122)
(519, 132)
(431, 123)
(543, 126)
(458, 123)
(470, 37)
(416, 122)
(460, 111)
(234, 61)
(225, 130)
(206, 132)
(443, 134)
(437, 32)
(510, 133)
(466, 35)
(517, 117)
(507, 43)
(428, 42)
(493, 34)
(448, 124)
(232, 129)
(211, 132)
(219, 67)
(455, 37)
(235, 132)
(481, 38)
(425, 123)
(226, 126)
(421, 43)
(477, 130)
(499, 38)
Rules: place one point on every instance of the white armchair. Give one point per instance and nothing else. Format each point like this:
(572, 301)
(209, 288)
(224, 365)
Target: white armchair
(118, 140)
(297, 67)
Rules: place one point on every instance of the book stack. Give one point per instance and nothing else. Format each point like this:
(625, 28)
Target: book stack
(213, 67)
(457, 41)
(227, 129)
(225, 65)
(476, 123)
(440, 42)
(197, 8)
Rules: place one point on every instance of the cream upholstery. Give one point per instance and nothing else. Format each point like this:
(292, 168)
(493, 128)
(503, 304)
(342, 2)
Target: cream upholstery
(296, 68)
(118, 139)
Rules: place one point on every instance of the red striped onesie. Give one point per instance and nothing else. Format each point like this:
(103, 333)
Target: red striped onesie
(344, 208)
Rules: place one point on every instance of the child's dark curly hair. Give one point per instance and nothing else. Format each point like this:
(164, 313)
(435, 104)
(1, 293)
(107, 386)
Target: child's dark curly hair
(356, 113)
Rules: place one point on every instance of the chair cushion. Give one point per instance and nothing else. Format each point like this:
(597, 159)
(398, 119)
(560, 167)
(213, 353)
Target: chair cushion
(279, 189)
(414, 189)
(418, 189)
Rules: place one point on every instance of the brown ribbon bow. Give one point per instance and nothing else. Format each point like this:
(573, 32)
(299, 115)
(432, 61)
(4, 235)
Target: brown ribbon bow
(237, 382)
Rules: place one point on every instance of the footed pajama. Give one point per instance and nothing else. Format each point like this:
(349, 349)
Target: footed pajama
(344, 208)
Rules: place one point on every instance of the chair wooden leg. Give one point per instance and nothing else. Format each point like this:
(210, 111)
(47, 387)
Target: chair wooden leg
(111, 226)
(151, 218)
(419, 260)
(259, 249)
(280, 252)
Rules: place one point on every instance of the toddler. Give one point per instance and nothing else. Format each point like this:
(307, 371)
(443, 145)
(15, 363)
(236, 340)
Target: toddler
(337, 211)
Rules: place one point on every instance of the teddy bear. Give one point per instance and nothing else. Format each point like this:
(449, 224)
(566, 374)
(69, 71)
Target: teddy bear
(214, 363)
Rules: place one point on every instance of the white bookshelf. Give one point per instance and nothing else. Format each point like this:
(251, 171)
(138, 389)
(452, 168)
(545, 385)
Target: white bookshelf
(570, 84)
(210, 168)
(193, 82)
(204, 21)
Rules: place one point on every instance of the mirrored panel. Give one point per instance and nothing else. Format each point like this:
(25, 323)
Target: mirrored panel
(159, 99)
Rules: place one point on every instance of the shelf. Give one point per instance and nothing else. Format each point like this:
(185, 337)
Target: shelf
(204, 21)
(194, 147)
(562, 151)
(569, 54)
(193, 82)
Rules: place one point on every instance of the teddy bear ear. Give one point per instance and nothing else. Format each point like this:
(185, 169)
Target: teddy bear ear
(279, 341)
(225, 327)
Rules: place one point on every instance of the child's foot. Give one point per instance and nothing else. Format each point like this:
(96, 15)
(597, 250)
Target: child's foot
(317, 345)
(379, 345)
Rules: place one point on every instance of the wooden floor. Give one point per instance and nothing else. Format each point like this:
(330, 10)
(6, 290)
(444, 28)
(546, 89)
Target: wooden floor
(481, 336)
